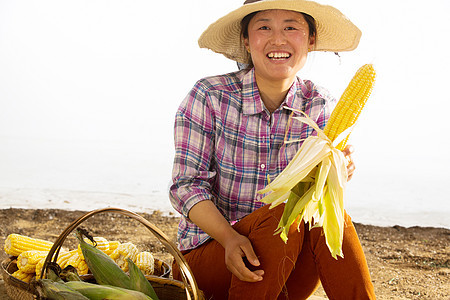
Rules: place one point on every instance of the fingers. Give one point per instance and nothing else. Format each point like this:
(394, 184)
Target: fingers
(235, 253)
(250, 254)
(348, 151)
(237, 266)
(350, 170)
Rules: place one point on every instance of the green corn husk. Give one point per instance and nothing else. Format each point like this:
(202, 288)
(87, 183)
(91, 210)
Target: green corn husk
(53, 276)
(53, 271)
(139, 282)
(69, 273)
(104, 269)
(57, 291)
(102, 292)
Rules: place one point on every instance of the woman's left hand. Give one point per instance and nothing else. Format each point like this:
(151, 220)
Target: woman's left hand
(348, 151)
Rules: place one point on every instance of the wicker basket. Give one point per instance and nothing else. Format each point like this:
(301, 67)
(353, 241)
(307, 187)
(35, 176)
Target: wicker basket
(15, 288)
(165, 287)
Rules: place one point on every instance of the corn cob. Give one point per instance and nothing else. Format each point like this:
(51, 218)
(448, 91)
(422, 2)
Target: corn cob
(78, 263)
(139, 282)
(49, 289)
(320, 202)
(16, 244)
(100, 243)
(26, 277)
(112, 246)
(104, 269)
(63, 257)
(101, 292)
(39, 267)
(122, 252)
(27, 260)
(146, 262)
(351, 103)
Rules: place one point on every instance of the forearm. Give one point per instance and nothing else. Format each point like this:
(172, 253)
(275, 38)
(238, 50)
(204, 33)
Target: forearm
(206, 216)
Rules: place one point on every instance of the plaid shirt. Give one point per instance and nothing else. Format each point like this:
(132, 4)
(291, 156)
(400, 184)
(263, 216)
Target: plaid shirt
(227, 143)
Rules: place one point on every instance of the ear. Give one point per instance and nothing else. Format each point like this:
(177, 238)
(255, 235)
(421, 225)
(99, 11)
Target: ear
(312, 42)
(247, 45)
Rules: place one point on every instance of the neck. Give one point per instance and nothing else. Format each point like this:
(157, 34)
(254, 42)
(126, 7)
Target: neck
(273, 93)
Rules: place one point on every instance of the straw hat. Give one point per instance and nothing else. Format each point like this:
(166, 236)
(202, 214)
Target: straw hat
(335, 32)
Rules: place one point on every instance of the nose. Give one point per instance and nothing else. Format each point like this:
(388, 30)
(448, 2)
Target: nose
(278, 37)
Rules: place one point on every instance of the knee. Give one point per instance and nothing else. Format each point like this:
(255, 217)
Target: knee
(266, 217)
(268, 222)
(347, 220)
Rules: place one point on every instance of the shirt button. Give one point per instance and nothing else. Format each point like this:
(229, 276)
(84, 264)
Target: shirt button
(263, 166)
(272, 136)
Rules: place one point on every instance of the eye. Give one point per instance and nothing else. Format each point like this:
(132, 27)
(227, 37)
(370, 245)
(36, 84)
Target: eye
(290, 28)
(264, 28)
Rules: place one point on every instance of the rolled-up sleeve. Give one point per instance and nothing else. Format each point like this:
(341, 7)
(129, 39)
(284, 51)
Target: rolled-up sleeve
(194, 142)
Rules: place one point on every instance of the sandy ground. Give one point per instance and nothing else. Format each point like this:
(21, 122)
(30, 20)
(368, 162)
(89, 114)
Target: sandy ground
(405, 263)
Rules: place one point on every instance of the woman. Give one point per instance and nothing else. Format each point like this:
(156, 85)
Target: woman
(229, 138)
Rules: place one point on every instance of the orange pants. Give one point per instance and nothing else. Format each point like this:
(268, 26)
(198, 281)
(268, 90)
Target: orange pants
(291, 271)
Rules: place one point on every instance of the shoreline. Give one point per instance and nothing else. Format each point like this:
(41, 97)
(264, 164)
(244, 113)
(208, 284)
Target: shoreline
(73, 200)
(405, 263)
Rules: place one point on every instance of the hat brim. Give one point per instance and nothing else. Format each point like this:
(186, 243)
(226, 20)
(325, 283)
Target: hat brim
(335, 32)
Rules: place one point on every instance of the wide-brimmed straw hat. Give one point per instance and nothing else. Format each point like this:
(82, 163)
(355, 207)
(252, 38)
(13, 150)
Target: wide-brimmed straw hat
(335, 32)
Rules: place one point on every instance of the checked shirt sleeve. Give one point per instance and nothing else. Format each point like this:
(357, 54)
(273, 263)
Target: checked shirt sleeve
(321, 105)
(194, 143)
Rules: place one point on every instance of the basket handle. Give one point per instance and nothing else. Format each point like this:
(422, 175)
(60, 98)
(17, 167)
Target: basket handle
(186, 273)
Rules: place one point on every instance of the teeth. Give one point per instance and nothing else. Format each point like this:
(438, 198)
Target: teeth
(278, 55)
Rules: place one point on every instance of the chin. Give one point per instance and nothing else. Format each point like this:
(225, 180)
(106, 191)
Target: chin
(283, 75)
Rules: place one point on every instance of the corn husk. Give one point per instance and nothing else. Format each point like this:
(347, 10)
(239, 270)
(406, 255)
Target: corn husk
(313, 185)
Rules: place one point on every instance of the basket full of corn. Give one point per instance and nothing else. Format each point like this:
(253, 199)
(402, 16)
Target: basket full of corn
(96, 269)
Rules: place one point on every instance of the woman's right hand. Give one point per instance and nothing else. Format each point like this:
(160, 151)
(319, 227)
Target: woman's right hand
(208, 218)
(237, 247)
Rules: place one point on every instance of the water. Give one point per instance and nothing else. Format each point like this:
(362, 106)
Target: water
(87, 175)
(55, 173)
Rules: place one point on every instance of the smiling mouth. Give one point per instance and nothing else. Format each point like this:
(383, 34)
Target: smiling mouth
(278, 55)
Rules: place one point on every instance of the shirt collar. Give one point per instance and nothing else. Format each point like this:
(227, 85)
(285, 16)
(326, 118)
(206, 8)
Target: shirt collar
(252, 102)
(294, 97)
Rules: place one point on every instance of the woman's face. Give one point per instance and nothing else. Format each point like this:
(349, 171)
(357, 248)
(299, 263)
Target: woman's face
(278, 41)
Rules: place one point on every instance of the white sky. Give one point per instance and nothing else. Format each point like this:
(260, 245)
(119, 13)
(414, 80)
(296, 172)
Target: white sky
(115, 71)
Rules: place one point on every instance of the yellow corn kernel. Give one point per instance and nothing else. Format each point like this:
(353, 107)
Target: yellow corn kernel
(146, 262)
(16, 244)
(112, 246)
(101, 244)
(26, 277)
(27, 260)
(351, 103)
(123, 251)
(39, 266)
(63, 257)
(78, 263)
